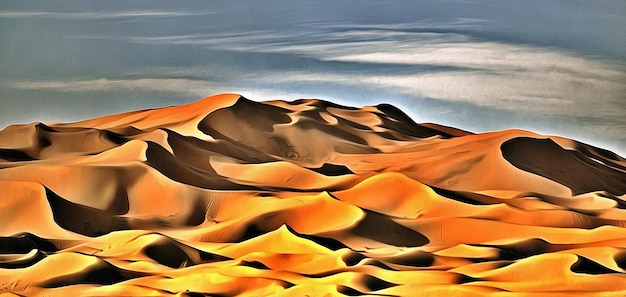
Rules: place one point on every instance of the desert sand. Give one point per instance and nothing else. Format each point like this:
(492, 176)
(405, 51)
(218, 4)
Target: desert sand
(232, 197)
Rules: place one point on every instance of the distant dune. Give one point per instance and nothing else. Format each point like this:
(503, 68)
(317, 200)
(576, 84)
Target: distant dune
(228, 196)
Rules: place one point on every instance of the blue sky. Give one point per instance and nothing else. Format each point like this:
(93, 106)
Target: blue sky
(555, 67)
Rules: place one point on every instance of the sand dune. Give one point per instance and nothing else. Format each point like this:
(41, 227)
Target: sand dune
(228, 196)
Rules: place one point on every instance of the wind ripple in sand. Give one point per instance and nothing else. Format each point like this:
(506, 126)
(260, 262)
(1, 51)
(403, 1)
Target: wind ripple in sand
(228, 196)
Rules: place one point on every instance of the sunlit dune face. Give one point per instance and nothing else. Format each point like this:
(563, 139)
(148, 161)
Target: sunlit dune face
(228, 197)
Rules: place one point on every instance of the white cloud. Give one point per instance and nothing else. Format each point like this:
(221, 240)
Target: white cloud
(458, 23)
(452, 67)
(96, 15)
(488, 74)
(543, 93)
(173, 85)
(551, 93)
(493, 56)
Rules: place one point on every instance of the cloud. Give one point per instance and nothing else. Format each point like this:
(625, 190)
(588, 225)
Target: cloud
(450, 64)
(458, 23)
(452, 67)
(485, 56)
(172, 85)
(457, 68)
(541, 93)
(96, 15)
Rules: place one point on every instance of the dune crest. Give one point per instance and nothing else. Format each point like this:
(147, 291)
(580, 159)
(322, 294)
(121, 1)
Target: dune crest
(228, 196)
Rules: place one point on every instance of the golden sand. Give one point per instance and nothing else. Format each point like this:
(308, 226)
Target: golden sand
(228, 196)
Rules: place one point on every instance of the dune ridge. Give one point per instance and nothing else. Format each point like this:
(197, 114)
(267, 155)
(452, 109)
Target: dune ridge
(227, 196)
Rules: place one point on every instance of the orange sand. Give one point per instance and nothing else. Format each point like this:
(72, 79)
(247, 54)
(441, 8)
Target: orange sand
(227, 196)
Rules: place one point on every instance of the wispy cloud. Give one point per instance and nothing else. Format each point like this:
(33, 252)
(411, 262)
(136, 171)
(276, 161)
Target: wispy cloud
(96, 15)
(458, 23)
(553, 94)
(186, 86)
(498, 75)
(539, 93)
(453, 67)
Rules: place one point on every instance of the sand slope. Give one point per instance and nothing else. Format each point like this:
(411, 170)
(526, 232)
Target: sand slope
(228, 196)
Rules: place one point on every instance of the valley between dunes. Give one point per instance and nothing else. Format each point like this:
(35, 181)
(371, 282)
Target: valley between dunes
(232, 197)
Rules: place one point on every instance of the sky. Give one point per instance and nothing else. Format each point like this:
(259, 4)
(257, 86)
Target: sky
(555, 67)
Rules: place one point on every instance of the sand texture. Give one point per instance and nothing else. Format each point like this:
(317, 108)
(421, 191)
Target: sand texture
(232, 197)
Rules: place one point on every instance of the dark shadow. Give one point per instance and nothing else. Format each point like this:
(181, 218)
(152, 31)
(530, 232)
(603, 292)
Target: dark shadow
(24, 243)
(464, 279)
(198, 213)
(596, 152)
(338, 130)
(522, 249)
(102, 274)
(348, 291)
(352, 258)
(458, 196)
(375, 284)
(322, 104)
(620, 259)
(587, 266)
(396, 120)
(255, 264)
(326, 242)
(167, 252)
(207, 257)
(195, 294)
(251, 231)
(332, 170)
(414, 259)
(14, 155)
(570, 168)
(114, 137)
(255, 114)
(189, 149)
(382, 229)
(22, 263)
(381, 265)
(121, 203)
(163, 161)
(83, 219)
